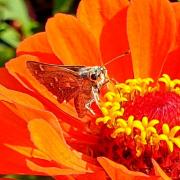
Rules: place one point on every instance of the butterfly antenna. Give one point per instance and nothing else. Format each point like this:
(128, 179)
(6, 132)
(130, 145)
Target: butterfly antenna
(120, 56)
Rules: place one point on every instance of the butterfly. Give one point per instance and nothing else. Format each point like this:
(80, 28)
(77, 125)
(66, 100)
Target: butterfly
(80, 83)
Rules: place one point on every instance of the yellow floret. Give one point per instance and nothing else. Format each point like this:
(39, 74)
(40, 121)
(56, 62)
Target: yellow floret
(142, 130)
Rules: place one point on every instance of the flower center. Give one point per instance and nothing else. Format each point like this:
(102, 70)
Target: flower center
(141, 121)
(164, 106)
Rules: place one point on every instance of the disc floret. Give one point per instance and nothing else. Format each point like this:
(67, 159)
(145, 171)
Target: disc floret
(147, 131)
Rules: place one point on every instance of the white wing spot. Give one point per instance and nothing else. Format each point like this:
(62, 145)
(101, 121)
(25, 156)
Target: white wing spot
(56, 79)
(51, 84)
(41, 67)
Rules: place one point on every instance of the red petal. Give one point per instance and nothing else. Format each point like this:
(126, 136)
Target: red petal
(121, 69)
(17, 68)
(9, 81)
(113, 39)
(71, 41)
(12, 96)
(114, 43)
(151, 33)
(176, 7)
(172, 64)
(99, 175)
(54, 146)
(94, 14)
(13, 162)
(65, 178)
(38, 45)
(13, 130)
(50, 171)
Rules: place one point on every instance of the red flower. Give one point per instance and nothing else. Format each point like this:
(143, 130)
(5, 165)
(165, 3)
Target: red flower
(38, 135)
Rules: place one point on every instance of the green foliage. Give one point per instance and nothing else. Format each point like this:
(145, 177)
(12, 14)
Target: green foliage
(63, 6)
(16, 10)
(15, 24)
(21, 177)
(6, 53)
(9, 35)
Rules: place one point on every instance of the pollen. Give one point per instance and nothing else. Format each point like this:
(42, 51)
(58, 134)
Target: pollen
(144, 112)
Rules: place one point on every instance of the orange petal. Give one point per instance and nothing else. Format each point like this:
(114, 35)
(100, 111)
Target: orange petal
(38, 45)
(94, 14)
(28, 151)
(172, 64)
(27, 114)
(151, 32)
(51, 171)
(9, 81)
(117, 171)
(159, 171)
(176, 7)
(13, 162)
(53, 146)
(27, 107)
(98, 175)
(14, 135)
(13, 130)
(17, 68)
(35, 43)
(71, 41)
(70, 177)
(20, 98)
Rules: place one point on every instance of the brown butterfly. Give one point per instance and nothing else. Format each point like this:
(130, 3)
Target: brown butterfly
(81, 83)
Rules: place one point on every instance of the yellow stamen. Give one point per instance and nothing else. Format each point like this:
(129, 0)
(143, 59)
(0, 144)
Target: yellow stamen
(142, 130)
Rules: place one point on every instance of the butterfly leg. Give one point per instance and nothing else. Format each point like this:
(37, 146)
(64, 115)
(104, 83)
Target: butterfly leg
(88, 106)
(95, 98)
(95, 94)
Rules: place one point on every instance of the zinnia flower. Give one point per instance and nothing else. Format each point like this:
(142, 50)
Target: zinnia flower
(136, 133)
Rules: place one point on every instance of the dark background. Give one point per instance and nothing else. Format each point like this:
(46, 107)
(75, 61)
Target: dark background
(22, 18)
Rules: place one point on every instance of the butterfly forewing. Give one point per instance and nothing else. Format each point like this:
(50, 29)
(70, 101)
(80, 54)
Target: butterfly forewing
(64, 82)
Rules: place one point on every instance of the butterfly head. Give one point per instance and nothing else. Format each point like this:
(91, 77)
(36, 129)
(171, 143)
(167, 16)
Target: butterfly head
(98, 74)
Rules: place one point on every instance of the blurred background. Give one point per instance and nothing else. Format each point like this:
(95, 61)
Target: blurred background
(22, 18)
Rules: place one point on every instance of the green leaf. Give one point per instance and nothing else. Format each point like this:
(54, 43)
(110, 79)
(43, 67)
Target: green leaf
(63, 5)
(6, 53)
(9, 35)
(24, 177)
(16, 10)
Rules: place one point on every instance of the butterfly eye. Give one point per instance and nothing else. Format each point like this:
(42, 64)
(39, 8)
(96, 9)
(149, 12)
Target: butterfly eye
(93, 77)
